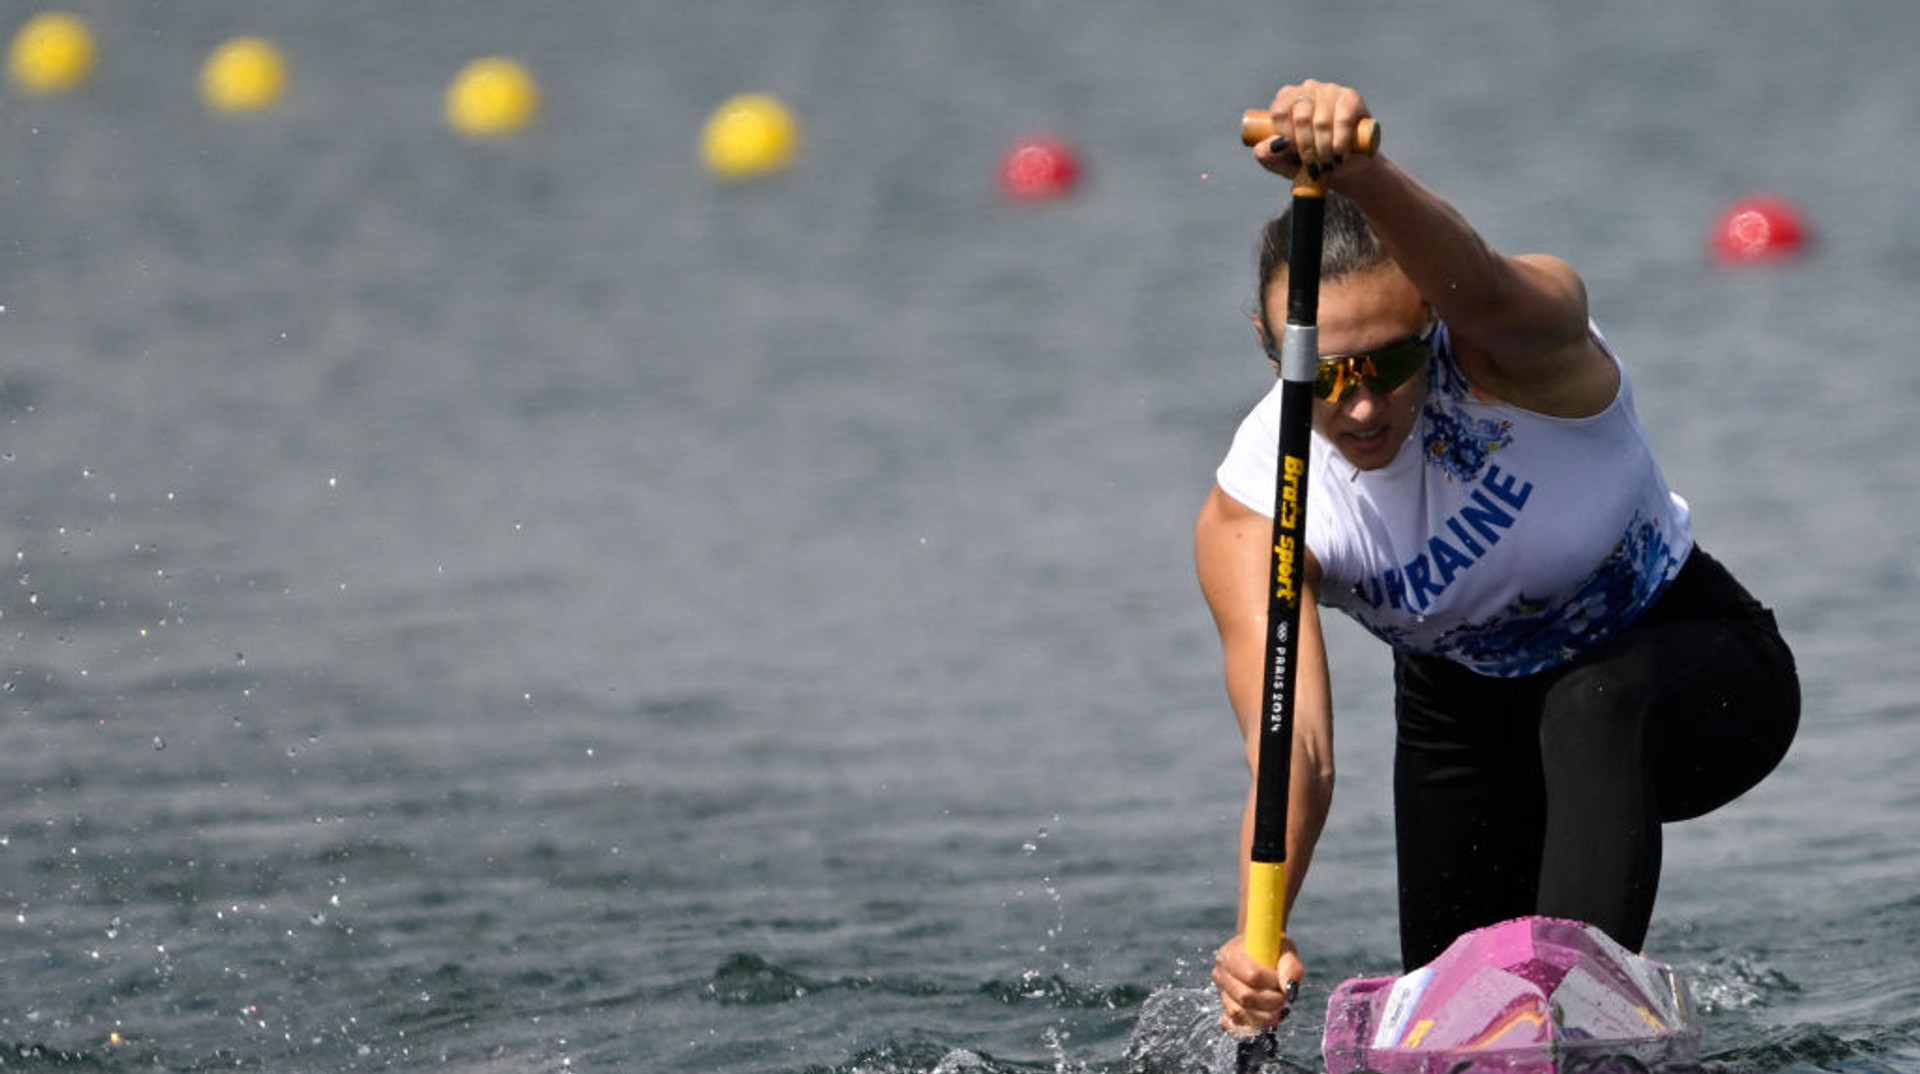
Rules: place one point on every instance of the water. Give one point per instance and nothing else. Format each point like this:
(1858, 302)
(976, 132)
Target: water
(524, 607)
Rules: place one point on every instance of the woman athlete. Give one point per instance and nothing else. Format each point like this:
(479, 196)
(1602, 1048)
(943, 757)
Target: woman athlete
(1570, 670)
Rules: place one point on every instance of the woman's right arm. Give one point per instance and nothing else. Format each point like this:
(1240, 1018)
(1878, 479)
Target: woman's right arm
(1233, 555)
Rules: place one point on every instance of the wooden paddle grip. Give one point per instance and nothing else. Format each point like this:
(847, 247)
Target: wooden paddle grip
(1256, 126)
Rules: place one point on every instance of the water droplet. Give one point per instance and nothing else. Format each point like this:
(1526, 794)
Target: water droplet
(159, 743)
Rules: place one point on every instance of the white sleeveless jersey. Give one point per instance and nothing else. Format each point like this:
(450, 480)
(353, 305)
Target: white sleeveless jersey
(1500, 538)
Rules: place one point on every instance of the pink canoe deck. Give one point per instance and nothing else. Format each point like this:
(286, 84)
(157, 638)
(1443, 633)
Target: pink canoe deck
(1530, 996)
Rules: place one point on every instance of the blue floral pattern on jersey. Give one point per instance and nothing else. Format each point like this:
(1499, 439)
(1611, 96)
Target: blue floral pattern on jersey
(1460, 445)
(1450, 439)
(1527, 637)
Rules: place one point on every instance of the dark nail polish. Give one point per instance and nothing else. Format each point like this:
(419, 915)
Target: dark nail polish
(1313, 170)
(1293, 991)
(1339, 159)
(1278, 145)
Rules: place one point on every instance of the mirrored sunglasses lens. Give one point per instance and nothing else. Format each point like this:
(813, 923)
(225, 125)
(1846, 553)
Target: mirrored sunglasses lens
(1326, 377)
(1381, 371)
(1393, 365)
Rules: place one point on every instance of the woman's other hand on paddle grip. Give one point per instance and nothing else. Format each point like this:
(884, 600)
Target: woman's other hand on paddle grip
(1315, 126)
(1252, 996)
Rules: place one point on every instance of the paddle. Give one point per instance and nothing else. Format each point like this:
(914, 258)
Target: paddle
(1299, 355)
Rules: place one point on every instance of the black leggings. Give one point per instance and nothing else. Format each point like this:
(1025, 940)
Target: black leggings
(1545, 794)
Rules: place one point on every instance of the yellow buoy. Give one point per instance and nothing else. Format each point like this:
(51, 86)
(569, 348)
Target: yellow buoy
(244, 75)
(749, 135)
(492, 96)
(52, 53)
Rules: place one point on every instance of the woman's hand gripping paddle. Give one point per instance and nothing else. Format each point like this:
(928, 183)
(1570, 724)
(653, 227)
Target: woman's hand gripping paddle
(1299, 357)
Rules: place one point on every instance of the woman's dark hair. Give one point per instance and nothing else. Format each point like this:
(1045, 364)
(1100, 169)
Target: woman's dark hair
(1348, 246)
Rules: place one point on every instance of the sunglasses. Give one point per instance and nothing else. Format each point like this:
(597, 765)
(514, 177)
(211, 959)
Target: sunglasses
(1381, 369)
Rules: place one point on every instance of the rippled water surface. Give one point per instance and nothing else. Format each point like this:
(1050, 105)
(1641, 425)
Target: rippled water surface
(525, 606)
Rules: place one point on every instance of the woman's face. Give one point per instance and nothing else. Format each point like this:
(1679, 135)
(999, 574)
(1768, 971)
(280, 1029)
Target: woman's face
(1363, 312)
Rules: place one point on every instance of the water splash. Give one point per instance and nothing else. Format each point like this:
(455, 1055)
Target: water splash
(1737, 982)
(1178, 1032)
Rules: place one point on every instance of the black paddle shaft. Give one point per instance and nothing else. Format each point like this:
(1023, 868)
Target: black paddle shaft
(1289, 536)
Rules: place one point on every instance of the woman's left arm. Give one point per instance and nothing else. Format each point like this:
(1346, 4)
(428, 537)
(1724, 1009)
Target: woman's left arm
(1519, 324)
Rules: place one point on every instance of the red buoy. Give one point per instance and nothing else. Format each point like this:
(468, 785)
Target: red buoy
(1038, 167)
(1763, 227)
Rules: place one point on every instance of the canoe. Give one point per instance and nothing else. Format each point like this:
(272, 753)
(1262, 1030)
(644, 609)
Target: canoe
(1534, 995)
